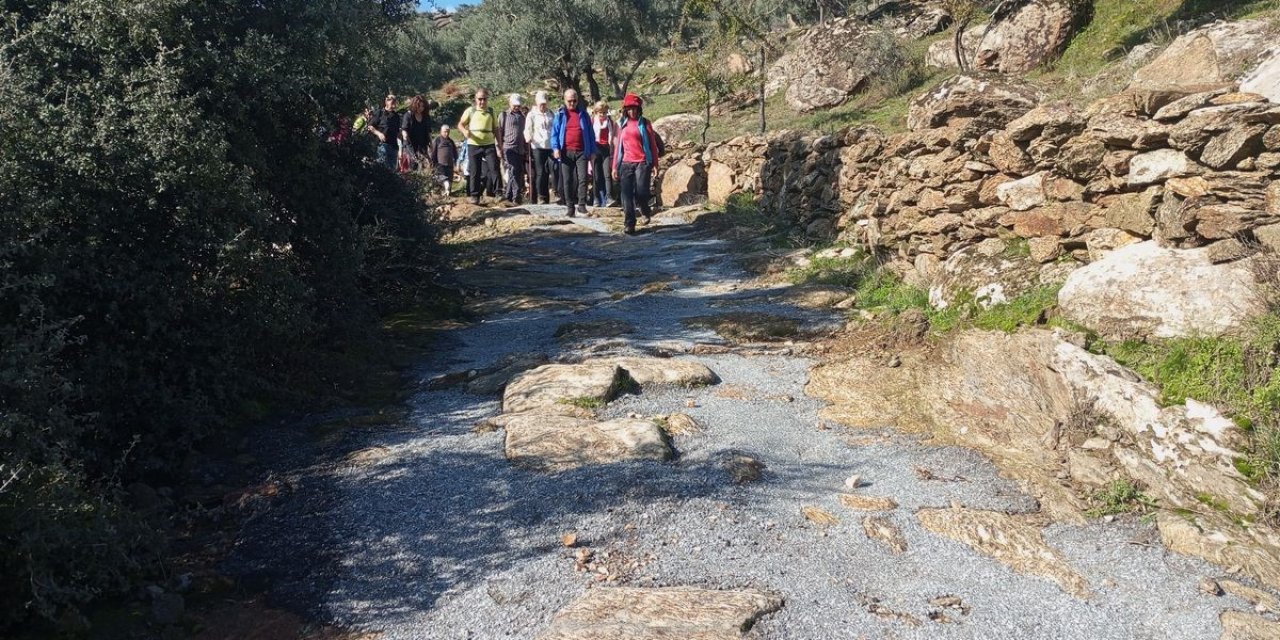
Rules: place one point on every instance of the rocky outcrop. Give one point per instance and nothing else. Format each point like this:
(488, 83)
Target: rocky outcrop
(1065, 422)
(1145, 291)
(1018, 41)
(988, 102)
(1216, 56)
(674, 612)
(910, 20)
(678, 126)
(829, 62)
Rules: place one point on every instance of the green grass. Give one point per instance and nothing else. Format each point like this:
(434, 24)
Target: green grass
(585, 402)
(1119, 497)
(1240, 375)
(836, 271)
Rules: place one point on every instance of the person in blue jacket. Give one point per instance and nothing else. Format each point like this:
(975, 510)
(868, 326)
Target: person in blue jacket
(573, 143)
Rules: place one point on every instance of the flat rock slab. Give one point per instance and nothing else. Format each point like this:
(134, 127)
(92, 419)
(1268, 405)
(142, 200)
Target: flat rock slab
(647, 371)
(553, 387)
(553, 442)
(1238, 625)
(661, 614)
(1009, 539)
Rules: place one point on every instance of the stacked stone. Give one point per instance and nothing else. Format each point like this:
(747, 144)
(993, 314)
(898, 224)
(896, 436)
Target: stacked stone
(984, 159)
(1190, 171)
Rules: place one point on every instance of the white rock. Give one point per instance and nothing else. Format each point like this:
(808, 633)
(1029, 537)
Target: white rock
(1143, 290)
(1024, 194)
(1158, 165)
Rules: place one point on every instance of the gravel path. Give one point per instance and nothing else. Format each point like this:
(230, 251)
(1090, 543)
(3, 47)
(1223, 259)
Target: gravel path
(439, 537)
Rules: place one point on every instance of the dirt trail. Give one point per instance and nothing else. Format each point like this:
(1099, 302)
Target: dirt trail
(427, 531)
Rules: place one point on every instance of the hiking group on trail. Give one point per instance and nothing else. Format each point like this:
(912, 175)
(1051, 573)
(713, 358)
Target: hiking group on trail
(582, 155)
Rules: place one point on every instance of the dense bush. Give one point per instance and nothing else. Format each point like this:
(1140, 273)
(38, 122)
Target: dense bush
(174, 236)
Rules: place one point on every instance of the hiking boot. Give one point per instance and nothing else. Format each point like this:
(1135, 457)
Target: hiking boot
(569, 213)
(475, 200)
(582, 208)
(630, 230)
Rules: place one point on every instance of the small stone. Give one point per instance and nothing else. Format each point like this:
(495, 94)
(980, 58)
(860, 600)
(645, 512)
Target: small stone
(569, 539)
(1096, 444)
(853, 482)
(895, 361)
(691, 403)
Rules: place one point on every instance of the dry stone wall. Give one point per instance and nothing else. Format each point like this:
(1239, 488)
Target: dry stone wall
(985, 159)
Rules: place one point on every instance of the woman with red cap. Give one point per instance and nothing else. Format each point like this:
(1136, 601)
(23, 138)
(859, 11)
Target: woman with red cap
(634, 157)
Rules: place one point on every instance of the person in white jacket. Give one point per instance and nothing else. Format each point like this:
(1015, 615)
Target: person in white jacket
(606, 132)
(537, 132)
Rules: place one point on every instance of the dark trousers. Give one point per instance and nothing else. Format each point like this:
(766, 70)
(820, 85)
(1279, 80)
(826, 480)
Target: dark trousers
(573, 177)
(515, 162)
(635, 178)
(482, 164)
(603, 184)
(389, 155)
(542, 165)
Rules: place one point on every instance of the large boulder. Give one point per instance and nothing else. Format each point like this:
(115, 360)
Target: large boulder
(832, 61)
(910, 20)
(988, 273)
(1065, 423)
(988, 102)
(1018, 41)
(1143, 290)
(684, 183)
(678, 126)
(1215, 56)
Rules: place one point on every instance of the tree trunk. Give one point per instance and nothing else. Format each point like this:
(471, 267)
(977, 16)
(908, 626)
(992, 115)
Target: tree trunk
(626, 82)
(962, 59)
(760, 71)
(592, 85)
(706, 117)
(615, 83)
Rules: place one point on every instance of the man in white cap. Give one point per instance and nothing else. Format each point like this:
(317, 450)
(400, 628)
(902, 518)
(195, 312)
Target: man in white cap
(513, 149)
(537, 132)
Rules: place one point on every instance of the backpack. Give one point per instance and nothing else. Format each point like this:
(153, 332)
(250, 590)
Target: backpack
(657, 139)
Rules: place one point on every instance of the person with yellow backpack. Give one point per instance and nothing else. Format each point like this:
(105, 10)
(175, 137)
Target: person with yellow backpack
(479, 125)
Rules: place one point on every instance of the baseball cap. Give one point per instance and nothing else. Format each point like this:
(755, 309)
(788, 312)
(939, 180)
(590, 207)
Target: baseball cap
(540, 97)
(515, 100)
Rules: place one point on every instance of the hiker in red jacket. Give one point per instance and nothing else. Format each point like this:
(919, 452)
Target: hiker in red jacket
(634, 157)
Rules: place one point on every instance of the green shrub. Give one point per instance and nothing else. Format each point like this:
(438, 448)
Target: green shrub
(175, 238)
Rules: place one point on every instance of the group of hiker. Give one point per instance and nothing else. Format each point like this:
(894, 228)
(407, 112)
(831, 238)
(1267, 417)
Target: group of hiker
(584, 156)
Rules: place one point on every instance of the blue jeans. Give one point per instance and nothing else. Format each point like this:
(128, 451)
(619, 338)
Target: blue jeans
(389, 155)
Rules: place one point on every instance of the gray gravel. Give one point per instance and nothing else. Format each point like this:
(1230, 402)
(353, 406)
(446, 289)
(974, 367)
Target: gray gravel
(443, 539)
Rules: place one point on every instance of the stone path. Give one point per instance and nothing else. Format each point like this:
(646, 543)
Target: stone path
(594, 433)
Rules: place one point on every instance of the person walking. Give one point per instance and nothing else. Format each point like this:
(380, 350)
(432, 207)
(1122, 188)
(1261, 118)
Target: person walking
(513, 149)
(537, 132)
(385, 126)
(478, 126)
(415, 131)
(606, 132)
(573, 144)
(634, 157)
(443, 155)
